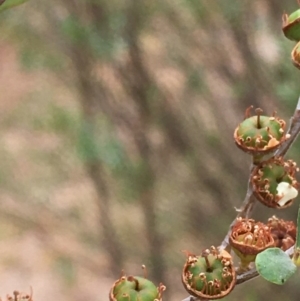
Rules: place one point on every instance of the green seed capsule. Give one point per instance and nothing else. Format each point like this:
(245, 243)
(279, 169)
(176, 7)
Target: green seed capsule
(134, 288)
(291, 25)
(210, 275)
(274, 182)
(259, 135)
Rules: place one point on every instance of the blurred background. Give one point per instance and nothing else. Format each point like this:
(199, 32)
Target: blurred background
(116, 137)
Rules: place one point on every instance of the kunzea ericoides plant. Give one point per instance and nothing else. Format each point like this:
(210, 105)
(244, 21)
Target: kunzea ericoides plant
(210, 275)
(259, 134)
(135, 288)
(248, 238)
(274, 182)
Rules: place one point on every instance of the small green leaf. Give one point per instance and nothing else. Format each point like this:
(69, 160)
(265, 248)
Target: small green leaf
(275, 266)
(11, 3)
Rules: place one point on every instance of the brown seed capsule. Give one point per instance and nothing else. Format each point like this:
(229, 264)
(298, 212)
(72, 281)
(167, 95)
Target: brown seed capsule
(283, 232)
(274, 183)
(210, 275)
(248, 238)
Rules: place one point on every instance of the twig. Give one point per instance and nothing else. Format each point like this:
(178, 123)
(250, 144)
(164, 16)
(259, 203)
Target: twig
(250, 200)
(293, 130)
(244, 211)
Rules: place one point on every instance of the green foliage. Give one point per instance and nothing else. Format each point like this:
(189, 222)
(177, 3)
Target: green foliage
(61, 120)
(275, 265)
(196, 7)
(32, 59)
(11, 3)
(93, 146)
(102, 44)
(86, 143)
(76, 32)
(233, 12)
(65, 268)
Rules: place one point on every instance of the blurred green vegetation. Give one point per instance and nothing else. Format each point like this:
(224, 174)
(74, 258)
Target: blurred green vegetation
(119, 151)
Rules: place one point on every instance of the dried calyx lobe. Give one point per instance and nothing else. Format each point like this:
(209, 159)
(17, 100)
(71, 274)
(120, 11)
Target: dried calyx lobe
(274, 182)
(210, 275)
(259, 134)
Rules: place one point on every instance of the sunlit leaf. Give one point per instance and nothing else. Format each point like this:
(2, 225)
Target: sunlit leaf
(275, 266)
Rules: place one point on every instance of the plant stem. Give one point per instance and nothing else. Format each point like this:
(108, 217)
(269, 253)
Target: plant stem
(293, 130)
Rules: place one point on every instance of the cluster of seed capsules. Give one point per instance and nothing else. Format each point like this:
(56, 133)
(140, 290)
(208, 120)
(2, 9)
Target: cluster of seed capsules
(212, 275)
(273, 179)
